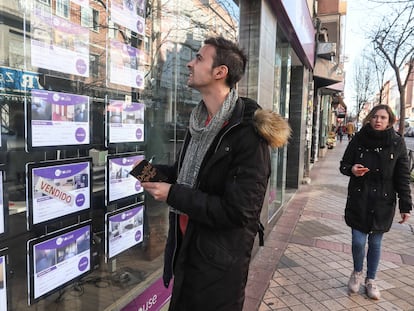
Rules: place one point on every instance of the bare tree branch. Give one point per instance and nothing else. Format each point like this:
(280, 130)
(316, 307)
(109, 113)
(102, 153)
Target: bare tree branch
(393, 39)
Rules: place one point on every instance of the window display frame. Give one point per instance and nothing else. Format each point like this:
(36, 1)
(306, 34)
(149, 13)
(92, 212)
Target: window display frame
(58, 124)
(124, 175)
(61, 237)
(4, 285)
(124, 214)
(4, 212)
(45, 165)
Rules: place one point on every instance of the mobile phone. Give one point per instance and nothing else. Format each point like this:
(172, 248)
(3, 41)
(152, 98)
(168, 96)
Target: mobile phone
(144, 171)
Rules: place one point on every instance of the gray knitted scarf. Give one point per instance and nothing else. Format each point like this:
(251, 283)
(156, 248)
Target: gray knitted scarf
(202, 136)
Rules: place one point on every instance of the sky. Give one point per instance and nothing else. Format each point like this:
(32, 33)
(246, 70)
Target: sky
(361, 17)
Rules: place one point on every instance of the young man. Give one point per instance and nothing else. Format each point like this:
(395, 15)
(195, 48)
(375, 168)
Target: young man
(218, 184)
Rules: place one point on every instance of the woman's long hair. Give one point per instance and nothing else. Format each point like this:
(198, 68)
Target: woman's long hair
(371, 114)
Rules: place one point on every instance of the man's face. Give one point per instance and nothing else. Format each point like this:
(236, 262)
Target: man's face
(201, 71)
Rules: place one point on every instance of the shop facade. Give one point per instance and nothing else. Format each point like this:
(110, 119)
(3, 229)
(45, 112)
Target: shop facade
(90, 87)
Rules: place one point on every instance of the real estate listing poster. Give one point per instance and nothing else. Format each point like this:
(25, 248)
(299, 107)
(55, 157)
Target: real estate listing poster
(59, 190)
(3, 285)
(58, 44)
(58, 259)
(125, 229)
(125, 121)
(58, 119)
(130, 14)
(124, 65)
(121, 184)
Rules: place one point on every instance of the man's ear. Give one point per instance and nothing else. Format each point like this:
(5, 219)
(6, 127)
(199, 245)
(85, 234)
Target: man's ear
(221, 72)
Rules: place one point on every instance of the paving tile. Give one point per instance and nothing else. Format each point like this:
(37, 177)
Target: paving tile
(279, 291)
(290, 300)
(263, 307)
(317, 306)
(332, 305)
(299, 308)
(274, 303)
(347, 303)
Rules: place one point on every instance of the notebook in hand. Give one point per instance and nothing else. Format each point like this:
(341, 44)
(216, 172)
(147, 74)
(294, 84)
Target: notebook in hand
(144, 171)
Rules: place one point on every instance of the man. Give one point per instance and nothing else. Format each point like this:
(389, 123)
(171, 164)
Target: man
(217, 185)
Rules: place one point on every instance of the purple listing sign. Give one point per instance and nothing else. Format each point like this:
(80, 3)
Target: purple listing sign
(138, 236)
(80, 199)
(80, 134)
(138, 186)
(138, 134)
(81, 66)
(152, 299)
(83, 264)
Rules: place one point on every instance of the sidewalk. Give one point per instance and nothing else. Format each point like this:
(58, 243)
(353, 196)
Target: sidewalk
(306, 260)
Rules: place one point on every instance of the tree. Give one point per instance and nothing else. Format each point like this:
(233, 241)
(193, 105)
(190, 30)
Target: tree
(362, 82)
(394, 41)
(380, 66)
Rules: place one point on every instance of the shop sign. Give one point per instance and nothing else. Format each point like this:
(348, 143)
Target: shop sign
(18, 81)
(152, 299)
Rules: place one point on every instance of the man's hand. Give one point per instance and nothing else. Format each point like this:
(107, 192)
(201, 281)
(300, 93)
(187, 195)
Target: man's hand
(159, 190)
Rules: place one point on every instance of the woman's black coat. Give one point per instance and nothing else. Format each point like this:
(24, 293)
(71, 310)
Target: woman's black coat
(372, 198)
(210, 263)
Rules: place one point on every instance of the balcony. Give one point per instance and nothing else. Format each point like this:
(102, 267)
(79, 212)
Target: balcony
(326, 50)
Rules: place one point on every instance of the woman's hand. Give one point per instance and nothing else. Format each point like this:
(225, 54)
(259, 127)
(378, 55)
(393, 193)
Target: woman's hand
(359, 170)
(404, 217)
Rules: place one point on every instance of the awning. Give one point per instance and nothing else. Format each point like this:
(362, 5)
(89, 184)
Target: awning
(339, 87)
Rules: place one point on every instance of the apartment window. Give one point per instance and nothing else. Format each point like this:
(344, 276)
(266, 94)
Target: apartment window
(112, 30)
(147, 44)
(95, 20)
(90, 18)
(86, 20)
(94, 65)
(62, 8)
(47, 2)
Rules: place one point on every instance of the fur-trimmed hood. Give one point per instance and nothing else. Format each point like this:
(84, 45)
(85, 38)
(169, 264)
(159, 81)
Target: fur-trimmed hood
(272, 127)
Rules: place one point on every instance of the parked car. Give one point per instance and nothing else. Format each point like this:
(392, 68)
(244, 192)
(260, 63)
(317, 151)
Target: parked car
(409, 131)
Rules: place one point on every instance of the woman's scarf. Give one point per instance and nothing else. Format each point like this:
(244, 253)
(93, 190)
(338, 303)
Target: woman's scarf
(373, 139)
(202, 136)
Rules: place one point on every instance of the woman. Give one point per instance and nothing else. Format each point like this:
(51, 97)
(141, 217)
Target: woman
(376, 161)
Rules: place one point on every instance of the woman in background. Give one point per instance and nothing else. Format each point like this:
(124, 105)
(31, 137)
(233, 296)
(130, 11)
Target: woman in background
(377, 162)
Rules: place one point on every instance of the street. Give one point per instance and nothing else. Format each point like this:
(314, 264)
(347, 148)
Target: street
(409, 141)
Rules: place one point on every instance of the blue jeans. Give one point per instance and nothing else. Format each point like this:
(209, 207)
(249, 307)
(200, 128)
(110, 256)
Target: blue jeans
(359, 240)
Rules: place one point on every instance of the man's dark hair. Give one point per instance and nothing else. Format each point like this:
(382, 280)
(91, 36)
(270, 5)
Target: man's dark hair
(230, 55)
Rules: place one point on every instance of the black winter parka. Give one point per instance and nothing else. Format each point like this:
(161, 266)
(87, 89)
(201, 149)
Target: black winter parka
(372, 198)
(210, 262)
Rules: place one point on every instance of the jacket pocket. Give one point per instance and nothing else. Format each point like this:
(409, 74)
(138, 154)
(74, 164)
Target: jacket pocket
(215, 254)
